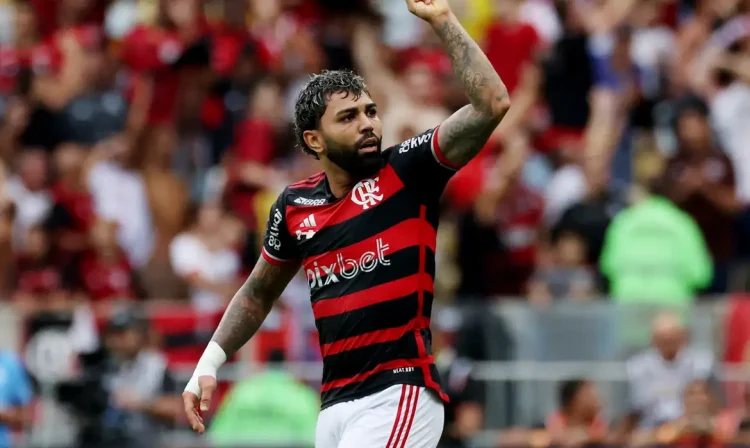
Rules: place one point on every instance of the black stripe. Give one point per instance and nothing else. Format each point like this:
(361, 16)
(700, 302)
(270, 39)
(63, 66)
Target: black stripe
(402, 264)
(427, 304)
(390, 314)
(398, 208)
(350, 363)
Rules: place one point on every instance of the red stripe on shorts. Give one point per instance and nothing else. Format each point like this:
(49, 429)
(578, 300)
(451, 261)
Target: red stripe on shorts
(406, 416)
(398, 414)
(411, 417)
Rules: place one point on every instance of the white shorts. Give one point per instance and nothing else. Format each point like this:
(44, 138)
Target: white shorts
(402, 416)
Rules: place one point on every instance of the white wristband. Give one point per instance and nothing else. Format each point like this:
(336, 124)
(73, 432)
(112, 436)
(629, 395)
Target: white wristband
(213, 357)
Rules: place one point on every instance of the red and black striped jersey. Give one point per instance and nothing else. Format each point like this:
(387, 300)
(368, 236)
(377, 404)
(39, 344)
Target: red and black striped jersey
(369, 258)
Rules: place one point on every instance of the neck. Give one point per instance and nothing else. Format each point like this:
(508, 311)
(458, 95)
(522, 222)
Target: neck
(339, 181)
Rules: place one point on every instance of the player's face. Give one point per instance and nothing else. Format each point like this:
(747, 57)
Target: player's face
(351, 134)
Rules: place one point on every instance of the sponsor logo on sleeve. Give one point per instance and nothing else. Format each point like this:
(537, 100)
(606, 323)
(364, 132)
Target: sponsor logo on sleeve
(414, 142)
(273, 230)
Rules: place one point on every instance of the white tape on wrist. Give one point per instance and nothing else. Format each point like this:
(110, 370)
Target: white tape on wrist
(213, 357)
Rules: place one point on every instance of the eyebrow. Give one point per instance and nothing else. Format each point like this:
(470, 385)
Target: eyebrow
(349, 110)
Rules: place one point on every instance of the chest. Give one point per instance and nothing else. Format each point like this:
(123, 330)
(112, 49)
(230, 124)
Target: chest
(378, 224)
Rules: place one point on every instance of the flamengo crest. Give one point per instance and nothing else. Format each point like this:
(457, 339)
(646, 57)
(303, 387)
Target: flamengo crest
(365, 193)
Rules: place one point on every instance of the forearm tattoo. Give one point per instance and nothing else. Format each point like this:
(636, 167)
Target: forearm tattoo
(251, 304)
(465, 132)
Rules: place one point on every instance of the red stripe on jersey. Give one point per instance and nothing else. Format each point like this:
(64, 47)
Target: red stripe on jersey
(395, 364)
(405, 234)
(371, 296)
(273, 260)
(439, 153)
(309, 182)
(373, 337)
(398, 415)
(365, 195)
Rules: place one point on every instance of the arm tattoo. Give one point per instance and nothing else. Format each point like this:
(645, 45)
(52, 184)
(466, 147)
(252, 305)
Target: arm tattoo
(251, 304)
(464, 133)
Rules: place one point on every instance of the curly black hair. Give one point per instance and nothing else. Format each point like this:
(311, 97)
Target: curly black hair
(313, 100)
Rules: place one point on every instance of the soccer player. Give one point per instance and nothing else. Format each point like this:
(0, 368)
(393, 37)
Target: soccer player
(364, 231)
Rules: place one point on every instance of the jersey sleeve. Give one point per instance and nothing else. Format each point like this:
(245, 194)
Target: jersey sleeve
(420, 164)
(278, 245)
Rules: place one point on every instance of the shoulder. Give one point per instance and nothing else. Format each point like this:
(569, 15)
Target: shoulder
(423, 141)
(307, 192)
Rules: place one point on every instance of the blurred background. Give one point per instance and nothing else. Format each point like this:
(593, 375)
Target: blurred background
(593, 263)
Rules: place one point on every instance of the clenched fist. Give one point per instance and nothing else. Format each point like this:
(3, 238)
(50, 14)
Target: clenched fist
(429, 10)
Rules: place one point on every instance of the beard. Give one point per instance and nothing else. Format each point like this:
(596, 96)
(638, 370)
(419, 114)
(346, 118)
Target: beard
(350, 159)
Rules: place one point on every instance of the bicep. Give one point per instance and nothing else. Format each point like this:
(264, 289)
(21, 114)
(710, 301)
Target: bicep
(463, 135)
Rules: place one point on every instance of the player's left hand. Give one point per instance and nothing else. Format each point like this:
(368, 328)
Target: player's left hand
(429, 10)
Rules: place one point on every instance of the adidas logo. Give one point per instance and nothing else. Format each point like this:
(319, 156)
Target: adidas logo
(307, 224)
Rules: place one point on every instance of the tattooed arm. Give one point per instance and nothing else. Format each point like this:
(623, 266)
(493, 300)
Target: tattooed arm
(242, 319)
(252, 303)
(465, 133)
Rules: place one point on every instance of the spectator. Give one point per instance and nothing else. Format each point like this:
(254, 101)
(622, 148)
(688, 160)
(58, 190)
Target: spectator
(28, 191)
(41, 283)
(654, 253)
(203, 258)
(659, 376)
(591, 215)
(736, 422)
(106, 275)
(696, 425)
(145, 396)
(119, 195)
(701, 182)
(568, 79)
(578, 421)
(250, 169)
(15, 397)
(567, 277)
(72, 215)
(502, 235)
(257, 411)
(465, 412)
(409, 102)
(510, 43)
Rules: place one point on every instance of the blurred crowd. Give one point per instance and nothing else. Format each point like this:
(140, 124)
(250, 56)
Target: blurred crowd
(142, 143)
(143, 140)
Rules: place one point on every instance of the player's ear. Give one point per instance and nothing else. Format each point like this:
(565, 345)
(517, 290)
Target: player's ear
(314, 141)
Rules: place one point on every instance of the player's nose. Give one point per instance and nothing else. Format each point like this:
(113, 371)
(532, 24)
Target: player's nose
(365, 124)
